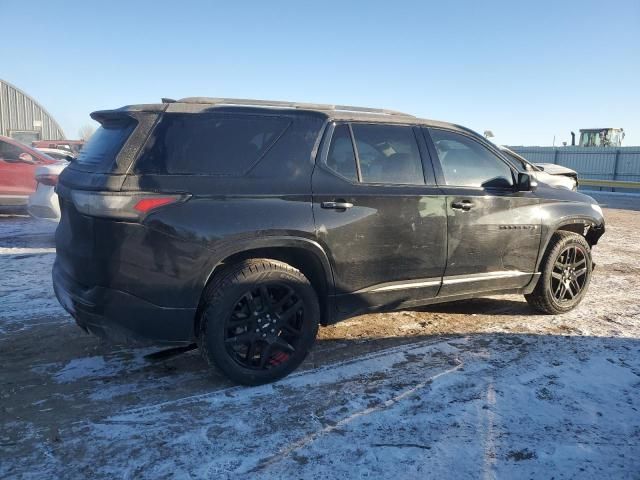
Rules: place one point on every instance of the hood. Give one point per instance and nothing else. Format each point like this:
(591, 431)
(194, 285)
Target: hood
(549, 192)
(553, 169)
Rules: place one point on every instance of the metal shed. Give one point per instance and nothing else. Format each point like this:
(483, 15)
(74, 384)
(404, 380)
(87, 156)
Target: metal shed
(24, 119)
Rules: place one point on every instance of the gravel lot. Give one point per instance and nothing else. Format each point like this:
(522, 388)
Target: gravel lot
(482, 388)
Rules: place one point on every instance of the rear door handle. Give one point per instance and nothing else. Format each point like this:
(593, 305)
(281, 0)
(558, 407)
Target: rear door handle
(336, 205)
(465, 205)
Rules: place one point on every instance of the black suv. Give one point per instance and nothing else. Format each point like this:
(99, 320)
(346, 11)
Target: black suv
(242, 225)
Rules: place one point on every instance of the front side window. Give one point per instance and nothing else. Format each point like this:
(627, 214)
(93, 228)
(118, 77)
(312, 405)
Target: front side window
(9, 152)
(388, 154)
(467, 163)
(341, 158)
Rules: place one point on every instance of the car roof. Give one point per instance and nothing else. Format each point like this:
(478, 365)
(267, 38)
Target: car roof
(329, 111)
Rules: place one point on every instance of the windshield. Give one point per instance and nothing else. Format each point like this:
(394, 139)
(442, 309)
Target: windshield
(601, 138)
(520, 161)
(590, 139)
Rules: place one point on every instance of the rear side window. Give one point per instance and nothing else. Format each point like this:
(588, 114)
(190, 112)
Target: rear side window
(467, 163)
(209, 144)
(103, 147)
(388, 154)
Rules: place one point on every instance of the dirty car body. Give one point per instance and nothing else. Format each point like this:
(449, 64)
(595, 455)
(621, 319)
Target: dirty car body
(373, 207)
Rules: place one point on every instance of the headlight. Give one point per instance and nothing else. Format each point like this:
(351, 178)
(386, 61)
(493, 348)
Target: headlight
(597, 208)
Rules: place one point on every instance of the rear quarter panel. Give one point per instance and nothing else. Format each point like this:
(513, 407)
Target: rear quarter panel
(179, 246)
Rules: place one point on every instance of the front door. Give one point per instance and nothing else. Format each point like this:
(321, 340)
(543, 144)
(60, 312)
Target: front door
(379, 216)
(493, 230)
(16, 176)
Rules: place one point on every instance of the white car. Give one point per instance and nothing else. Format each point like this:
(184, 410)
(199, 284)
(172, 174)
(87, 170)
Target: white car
(58, 154)
(548, 173)
(43, 203)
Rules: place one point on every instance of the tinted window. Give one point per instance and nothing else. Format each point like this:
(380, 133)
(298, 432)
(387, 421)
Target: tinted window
(388, 154)
(104, 145)
(467, 163)
(214, 144)
(341, 157)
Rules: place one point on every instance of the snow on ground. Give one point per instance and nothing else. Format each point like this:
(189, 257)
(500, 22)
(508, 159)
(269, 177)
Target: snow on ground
(484, 388)
(26, 256)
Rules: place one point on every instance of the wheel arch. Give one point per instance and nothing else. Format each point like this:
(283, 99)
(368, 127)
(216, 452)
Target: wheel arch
(304, 254)
(588, 227)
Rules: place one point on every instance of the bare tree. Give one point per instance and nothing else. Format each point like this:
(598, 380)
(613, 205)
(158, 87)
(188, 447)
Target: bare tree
(86, 131)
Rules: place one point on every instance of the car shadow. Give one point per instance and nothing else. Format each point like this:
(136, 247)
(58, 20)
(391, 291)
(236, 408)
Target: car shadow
(481, 306)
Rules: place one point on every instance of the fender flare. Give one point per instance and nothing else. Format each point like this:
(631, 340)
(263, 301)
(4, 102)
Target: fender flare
(276, 241)
(551, 229)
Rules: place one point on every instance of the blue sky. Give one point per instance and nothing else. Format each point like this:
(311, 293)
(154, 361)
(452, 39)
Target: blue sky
(528, 72)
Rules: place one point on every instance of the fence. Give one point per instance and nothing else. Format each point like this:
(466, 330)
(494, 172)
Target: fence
(591, 163)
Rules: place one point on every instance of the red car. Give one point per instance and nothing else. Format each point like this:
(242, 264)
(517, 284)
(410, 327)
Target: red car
(18, 164)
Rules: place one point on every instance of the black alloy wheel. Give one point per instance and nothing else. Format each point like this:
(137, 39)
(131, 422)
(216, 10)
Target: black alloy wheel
(259, 319)
(565, 274)
(265, 326)
(569, 274)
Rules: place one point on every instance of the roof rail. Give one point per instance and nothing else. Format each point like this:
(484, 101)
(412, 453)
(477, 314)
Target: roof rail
(277, 103)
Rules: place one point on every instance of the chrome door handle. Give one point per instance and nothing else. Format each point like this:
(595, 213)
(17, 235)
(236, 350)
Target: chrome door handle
(465, 205)
(336, 205)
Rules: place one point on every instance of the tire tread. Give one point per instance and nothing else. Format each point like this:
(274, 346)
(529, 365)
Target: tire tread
(217, 288)
(539, 298)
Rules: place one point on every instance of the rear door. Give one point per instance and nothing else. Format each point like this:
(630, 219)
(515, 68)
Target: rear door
(493, 230)
(379, 215)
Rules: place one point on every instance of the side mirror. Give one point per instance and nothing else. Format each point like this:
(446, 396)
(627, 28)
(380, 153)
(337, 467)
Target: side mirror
(526, 183)
(26, 158)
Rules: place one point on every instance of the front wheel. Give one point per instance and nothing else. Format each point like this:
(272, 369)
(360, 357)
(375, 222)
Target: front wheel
(259, 321)
(566, 272)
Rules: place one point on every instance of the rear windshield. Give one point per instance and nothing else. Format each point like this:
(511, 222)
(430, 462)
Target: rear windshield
(103, 147)
(209, 144)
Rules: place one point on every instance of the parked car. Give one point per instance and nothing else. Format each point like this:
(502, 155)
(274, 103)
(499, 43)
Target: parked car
(549, 173)
(58, 154)
(43, 203)
(243, 225)
(18, 163)
(73, 146)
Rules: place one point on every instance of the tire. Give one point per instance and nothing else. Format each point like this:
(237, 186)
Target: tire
(259, 320)
(566, 273)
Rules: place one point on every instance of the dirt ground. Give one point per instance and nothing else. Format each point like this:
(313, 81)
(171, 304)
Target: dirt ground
(481, 388)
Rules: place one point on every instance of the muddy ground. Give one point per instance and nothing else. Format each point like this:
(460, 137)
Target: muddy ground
(480, 388)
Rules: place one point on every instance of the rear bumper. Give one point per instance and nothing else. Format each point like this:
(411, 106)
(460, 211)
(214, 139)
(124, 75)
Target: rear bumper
(13, 200)
(121, 317)
(44, 203)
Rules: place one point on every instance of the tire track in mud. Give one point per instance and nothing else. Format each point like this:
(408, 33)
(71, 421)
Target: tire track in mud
(297, 378)
(263, 464)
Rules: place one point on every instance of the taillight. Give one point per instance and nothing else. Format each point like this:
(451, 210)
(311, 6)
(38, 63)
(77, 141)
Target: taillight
(124, 206)
(49, 179)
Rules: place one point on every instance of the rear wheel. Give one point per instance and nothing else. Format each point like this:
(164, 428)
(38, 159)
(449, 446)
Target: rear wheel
(259, 321)
(566, 272)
